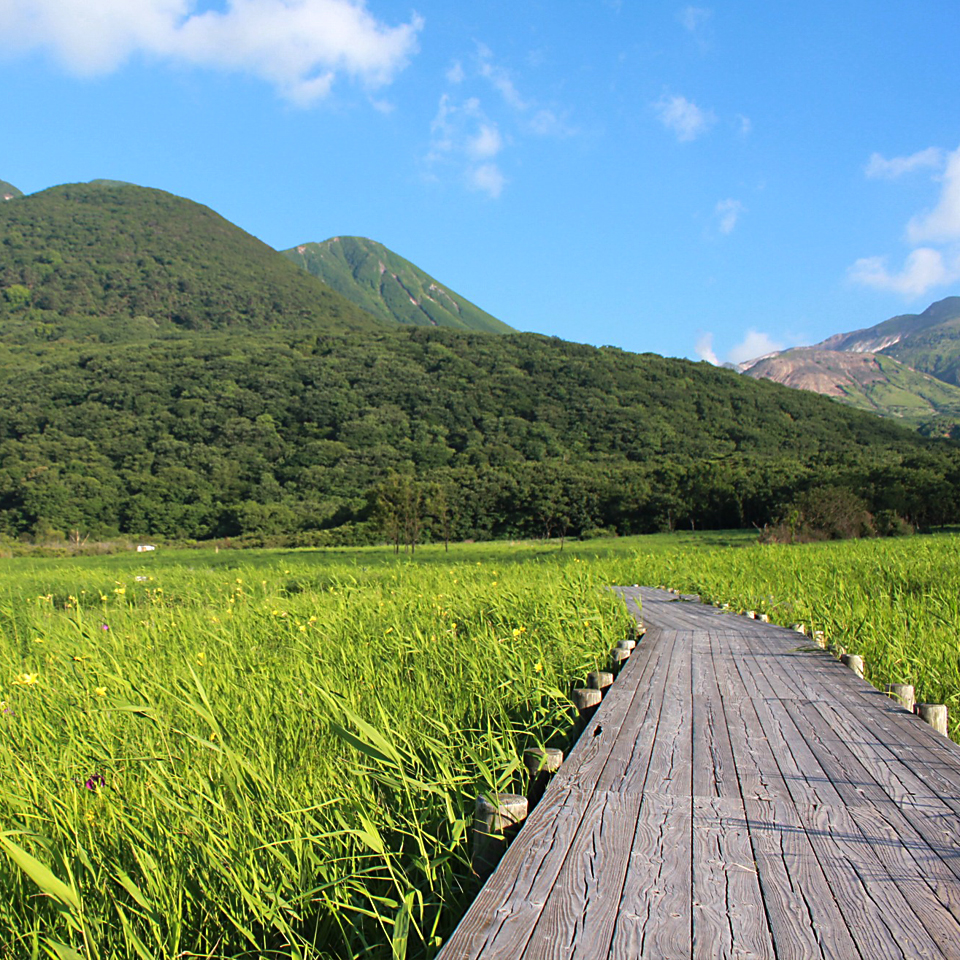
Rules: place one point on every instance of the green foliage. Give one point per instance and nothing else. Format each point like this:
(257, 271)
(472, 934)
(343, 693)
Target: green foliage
(8, 189)
(232, 435)
(95, 257)
(388, 286)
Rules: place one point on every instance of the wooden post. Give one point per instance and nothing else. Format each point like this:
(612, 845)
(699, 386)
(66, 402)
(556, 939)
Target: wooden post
(904, 693)
(854, 662)
(587, 701)
(600, 680)
(935, 714)
(626, 645)
(618, 660)
(495, 822)
(541, 764)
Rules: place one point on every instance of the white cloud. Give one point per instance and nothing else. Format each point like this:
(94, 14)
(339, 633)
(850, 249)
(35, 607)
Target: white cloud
(923, 270)
(754, 344)
(728, 212)
(499, 78)
(684, 117)
(487, 178)
(925, 266)
(298, 46)
(704, 349)
(455, 74)
(942, 224)
(746, 124)
(486, 143)
(878, 168)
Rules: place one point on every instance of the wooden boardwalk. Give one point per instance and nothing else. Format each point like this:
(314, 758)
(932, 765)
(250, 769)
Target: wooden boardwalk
(738, 794)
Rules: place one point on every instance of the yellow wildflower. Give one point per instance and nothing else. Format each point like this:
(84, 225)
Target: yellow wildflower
(100, 691)
(26, 679)
(538, 667)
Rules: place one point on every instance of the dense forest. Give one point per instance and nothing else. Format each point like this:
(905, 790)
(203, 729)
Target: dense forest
(164, 373)
(419, 433)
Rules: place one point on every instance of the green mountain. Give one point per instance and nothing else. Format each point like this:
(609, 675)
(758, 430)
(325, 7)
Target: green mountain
(116, 261)
(870, 381)
(389, 287)
(8, 191)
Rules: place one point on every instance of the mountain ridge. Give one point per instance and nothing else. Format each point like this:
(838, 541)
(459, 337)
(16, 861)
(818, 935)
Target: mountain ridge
(910, 367)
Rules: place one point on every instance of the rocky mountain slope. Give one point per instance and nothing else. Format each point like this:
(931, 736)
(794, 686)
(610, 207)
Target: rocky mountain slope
(907, 367)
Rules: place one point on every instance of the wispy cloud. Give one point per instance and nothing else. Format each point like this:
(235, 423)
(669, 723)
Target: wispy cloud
(683, 117)
(879, 168)
(694, 18)
(482, 115)
(704, 349)
(488, 179)
(755, 344)
(465, 139)
(925, 267)
(298, 46)
(727, 213)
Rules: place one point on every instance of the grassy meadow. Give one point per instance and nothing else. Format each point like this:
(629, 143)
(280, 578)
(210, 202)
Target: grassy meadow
(275, 753)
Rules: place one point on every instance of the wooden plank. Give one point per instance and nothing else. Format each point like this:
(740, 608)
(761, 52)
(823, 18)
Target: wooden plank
(728, 915)
(582, 908)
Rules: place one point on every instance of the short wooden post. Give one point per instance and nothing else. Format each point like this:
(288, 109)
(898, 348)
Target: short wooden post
(601, 680)
(586, 700)
(904, 693)
(800, 628)
(935, 714)
(626, 645)
(752, 614)
(541, 764)
(618, 660)
(495, 822)
(854, 662)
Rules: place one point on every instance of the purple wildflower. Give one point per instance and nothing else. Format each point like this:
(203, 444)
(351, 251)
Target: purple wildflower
(104, 626)
(95, 781)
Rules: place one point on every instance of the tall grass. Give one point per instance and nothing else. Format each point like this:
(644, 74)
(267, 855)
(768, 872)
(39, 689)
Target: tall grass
(276, 754)
(268, 756)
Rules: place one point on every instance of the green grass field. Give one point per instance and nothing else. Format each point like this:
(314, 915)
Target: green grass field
(275, 754)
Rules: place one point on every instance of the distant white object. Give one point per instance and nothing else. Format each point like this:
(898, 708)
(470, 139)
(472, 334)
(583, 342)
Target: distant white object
(144, 547)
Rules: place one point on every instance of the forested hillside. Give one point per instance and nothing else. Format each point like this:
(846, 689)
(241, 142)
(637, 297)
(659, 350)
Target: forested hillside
(108, 261)
(316, 436)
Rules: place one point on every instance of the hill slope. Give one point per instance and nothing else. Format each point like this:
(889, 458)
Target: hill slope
(8, 191)
(108, 260)
(389, 287)
(231, 433)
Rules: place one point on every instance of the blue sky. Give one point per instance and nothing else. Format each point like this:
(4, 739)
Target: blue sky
(693, 180)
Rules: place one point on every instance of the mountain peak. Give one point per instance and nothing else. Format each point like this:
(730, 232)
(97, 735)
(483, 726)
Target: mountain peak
(388, 286)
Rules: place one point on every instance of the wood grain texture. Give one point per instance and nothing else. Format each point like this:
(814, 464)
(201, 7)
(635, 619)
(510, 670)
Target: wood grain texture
(738, 794)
